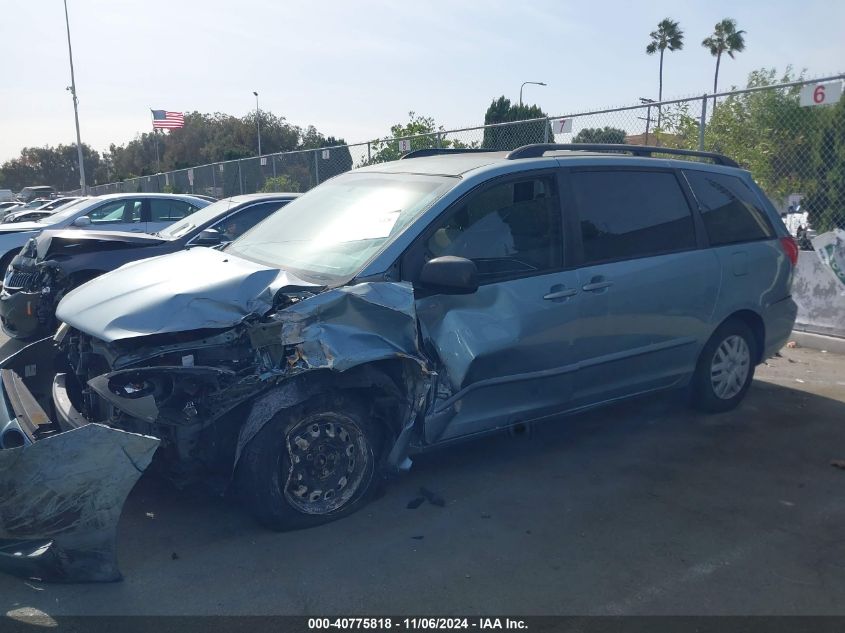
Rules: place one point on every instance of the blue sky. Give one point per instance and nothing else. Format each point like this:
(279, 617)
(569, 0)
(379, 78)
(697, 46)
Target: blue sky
(354, 68)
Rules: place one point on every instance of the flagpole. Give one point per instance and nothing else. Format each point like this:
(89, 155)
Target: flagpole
(155, 140)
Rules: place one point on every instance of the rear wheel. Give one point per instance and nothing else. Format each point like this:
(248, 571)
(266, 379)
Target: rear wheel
(311, 464)
(725, 368)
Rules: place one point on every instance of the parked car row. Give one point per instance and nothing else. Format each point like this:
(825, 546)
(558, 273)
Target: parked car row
(389, 311)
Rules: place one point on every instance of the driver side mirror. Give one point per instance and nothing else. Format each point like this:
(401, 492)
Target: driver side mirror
(449, 275)
(82, 220)
(208, 237)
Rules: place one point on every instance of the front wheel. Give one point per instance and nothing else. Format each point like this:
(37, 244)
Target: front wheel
(725, 368)
(311, 464)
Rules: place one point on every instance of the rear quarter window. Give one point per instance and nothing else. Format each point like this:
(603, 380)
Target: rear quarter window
(730, 209)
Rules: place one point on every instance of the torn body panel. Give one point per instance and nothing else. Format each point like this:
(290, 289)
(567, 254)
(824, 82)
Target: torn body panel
(340, 330)
(61, 499)
(61, 493)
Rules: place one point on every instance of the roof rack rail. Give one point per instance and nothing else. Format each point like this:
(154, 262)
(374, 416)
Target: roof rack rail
(538, 149)
(437, 151)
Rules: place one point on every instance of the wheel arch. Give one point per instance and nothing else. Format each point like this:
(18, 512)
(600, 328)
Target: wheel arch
(757, 326)
(394, 388)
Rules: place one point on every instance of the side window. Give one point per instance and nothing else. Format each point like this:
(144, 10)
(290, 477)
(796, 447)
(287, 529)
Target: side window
(164, 210)
(730, 210)
(116, 211)
(627, 214)
(509, 229)
(239, 223)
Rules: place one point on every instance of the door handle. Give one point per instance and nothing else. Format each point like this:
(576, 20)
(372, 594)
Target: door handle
(561, 294)
(596, 285)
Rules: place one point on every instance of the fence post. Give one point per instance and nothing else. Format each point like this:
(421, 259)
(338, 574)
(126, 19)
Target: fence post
(240, 178)
(274, 169)
(369, 158)
(546, 131)
(316, 167)
(701, 123)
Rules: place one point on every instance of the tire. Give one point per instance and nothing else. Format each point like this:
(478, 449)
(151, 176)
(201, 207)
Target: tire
(725, 368)
(330, 445)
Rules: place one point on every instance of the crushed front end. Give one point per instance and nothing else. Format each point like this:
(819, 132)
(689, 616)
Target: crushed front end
(29, 295)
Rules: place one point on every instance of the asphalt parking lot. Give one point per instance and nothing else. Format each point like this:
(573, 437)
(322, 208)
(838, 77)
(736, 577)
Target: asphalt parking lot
(641, 508)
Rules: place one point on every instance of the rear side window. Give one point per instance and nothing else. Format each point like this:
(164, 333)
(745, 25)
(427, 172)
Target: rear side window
(730, 210)
(123, 210)
(164, 210)
(626, 214)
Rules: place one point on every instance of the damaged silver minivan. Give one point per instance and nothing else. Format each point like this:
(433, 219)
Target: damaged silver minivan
(392, 309)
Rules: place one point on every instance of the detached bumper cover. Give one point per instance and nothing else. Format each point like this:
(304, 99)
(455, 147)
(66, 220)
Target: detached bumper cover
(61, 494)
(60, 501)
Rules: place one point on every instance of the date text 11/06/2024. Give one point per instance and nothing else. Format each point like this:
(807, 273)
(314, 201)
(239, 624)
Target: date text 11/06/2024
(414, 624)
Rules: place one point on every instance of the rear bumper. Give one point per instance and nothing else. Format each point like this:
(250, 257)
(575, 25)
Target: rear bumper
(779, 320)
(65, 483)
(19, 314)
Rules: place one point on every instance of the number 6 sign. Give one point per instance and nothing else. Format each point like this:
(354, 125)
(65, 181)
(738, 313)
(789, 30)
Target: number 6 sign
(821, 94)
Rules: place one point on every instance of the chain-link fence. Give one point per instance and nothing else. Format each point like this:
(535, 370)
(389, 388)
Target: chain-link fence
(791, 136)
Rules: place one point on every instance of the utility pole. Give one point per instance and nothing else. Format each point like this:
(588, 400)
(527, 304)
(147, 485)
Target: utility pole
(647, 117)
(72, 89)
(257, 121)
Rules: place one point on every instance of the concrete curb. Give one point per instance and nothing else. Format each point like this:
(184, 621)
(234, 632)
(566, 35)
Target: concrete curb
(832, 344)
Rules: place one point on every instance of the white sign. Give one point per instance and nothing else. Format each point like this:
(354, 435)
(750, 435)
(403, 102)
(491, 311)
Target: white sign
(191, 177)
(562, 126)
(326, 154)
(263, 161)
(821, 94)
(405, 145)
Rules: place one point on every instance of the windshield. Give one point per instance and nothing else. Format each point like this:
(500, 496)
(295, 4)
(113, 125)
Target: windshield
(334, 229)
(69, 210)
(197, 218)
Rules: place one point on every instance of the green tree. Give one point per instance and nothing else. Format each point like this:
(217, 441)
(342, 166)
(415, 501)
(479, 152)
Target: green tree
(667, 36)
(508, 137)
(280, 184)
(55, 166)
(826, 200)
(769, 133)
(421, 131)
(725, 39)
(600, 135)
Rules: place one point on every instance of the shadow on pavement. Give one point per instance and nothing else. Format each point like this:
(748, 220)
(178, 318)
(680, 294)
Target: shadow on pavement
(640, 507)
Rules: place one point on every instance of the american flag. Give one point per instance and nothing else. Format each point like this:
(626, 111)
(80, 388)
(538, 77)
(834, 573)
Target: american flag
(168, 120)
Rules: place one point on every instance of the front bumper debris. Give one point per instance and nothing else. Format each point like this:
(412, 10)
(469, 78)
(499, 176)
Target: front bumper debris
(60, 502)
(61, 493)
(19, 313)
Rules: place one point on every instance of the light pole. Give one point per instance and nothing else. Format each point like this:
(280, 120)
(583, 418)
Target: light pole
(257, 121)
(72, 88)
(648, 102)
(536, 83)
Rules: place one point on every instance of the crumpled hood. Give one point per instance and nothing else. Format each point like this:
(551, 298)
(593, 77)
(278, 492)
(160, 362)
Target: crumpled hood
(189, 290)
(71, 242)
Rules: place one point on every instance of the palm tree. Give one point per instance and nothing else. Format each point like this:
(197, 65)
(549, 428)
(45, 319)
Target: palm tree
(668, 35)
(725, 39)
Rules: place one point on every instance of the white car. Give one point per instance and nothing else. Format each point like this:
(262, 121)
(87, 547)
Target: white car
(135, 212)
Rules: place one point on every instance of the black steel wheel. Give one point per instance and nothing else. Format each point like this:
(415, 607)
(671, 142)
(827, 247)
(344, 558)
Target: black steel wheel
(311, 464)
